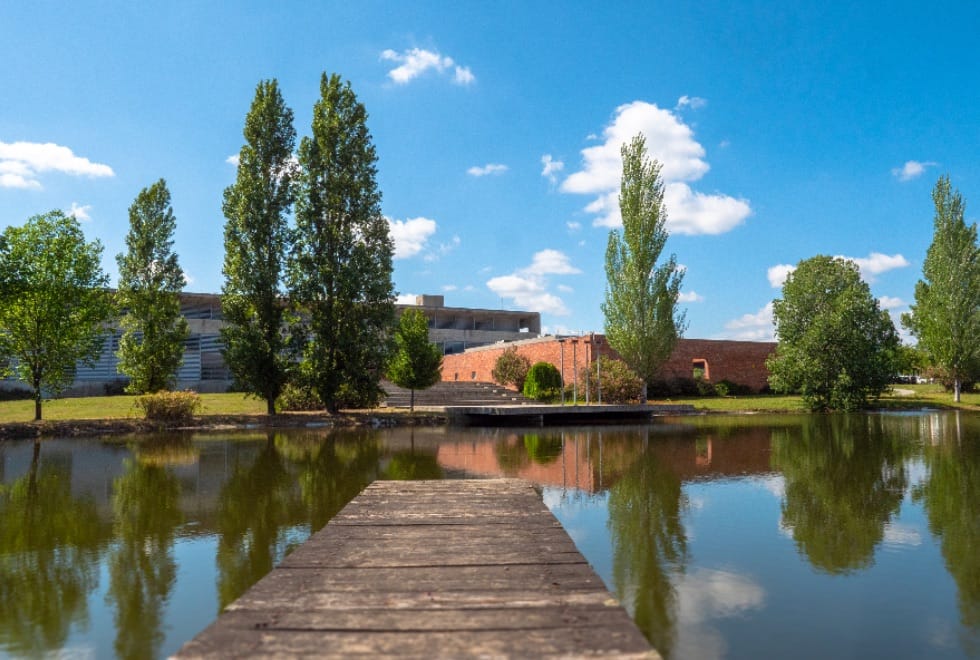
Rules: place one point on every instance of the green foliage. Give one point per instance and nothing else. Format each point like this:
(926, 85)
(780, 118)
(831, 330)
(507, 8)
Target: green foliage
(619, 383)
(836, 345)
(150, 281)
(705, 387)
(543, 382)
(256, 209)
(511, 368)
(296, 397)
(946, 315)
(642, 322)
(169, 406)
(54, 307)
(416, 363)
(339, 270)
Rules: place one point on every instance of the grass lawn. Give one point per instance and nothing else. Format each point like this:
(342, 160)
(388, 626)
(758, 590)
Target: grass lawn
(116, 407)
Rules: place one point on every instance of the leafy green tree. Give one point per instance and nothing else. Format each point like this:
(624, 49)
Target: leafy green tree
(511, 368)
(56, 306)
(340, 266)
(836, 346)
(946, 315)
(619, 384)
(417, 362)
(256, 244)
(642, 322)
(150, 281)
(543, 382)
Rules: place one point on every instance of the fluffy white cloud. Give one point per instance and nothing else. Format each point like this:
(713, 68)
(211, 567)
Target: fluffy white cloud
(911, 169)
(551, 167)
(777, 274)
(233, 160)
(410, 235)
(489, 168)
(80, 211)
(690, 297)
(413, 62)
(692, 102)
(753, 327)
(890, 302)
(877, 263)
(671, 142)
(405, 299)
(21, 163)
(528, 287)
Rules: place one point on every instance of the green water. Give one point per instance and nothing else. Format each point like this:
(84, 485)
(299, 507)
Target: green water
(810, 536)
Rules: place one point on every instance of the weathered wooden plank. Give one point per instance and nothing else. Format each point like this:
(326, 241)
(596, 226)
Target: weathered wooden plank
(433, 568)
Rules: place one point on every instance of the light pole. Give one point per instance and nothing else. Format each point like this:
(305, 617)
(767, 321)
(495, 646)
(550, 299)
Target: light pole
(598, 371)
(574, 372)
(588, 368)
(561, 351)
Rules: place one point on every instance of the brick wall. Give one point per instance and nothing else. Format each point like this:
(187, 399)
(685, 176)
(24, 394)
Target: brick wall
(742, 362)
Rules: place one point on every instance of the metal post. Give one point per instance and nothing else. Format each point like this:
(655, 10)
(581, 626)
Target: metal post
(588, 368)
(561, 350)
(598, 373)
(574, 372)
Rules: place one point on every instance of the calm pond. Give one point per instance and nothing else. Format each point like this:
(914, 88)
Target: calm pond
(747, 537)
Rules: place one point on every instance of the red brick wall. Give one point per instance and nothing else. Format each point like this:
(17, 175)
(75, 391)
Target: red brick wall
(742, 362)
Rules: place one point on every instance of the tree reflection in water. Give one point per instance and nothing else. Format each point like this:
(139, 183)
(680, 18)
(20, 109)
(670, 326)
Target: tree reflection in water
(845, 479)
(49, 550)
(142, 569)
(951, 498)
(649, 543)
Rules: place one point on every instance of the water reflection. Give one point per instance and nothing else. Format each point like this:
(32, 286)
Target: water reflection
(845, 479)
(686, 520)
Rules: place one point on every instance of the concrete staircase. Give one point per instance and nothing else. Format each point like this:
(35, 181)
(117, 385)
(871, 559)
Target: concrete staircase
(448, 393)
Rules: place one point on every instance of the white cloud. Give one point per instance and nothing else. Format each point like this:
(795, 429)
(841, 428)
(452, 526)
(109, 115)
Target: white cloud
(80, 211)
(413, 62)
(573, 226)
(753, 327)
(690, 297)
(449, 288)
(443, 249)
(410, 235)
(692, 102)
(21, 163)
(489, 168)
(777, 274)
(528, 287)
(877, 263)
(551, 167)
(233, 160)
(564, 288)
(405, 299)
(911, 169)
(671, 142)
(890, 302)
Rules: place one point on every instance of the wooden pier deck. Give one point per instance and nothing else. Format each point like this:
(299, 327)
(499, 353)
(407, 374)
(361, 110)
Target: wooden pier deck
(455, 568)
(548, 415)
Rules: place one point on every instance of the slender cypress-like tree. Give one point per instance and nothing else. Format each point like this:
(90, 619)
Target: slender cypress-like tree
(642, 322)
(946, 315)
(340, 265)
(150, 281)
(256, 244)
(417, 362)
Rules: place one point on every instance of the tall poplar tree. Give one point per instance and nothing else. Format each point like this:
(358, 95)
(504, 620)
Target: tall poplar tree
(946, 315)
(256, 245)
(150, 281)
(642, 321)
(55, 307)
(340, 266)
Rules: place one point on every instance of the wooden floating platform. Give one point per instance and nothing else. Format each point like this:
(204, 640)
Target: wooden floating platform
(455, 568)
(547, 415)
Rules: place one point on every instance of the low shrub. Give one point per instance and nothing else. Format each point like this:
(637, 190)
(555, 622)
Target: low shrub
(543, 382)
(511, 369)
(704, 387)
(297, 398)
(166, 406)
(619, 383)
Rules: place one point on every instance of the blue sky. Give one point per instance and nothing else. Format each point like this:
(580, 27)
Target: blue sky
(785, 130)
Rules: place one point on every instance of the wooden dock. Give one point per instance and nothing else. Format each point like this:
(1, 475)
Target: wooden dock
(455, 568)
(550, 415)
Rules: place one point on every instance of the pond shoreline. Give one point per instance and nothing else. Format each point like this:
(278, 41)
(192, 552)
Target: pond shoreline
(120, 426)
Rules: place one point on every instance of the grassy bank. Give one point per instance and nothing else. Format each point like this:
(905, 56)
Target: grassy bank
(119, 407)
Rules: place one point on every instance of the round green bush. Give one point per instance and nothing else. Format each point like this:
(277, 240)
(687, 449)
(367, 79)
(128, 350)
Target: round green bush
(543, 382)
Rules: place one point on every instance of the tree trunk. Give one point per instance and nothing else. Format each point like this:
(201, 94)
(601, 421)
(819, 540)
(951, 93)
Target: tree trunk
(643, 393)
(956, 390)
(411, 401)
(270, 406)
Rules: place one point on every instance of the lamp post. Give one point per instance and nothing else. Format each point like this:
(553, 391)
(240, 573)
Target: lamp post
(574, 372)
(588, 368)
(598, 372)
(561, 351)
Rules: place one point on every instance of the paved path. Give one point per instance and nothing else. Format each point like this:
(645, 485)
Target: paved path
(451, 568)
